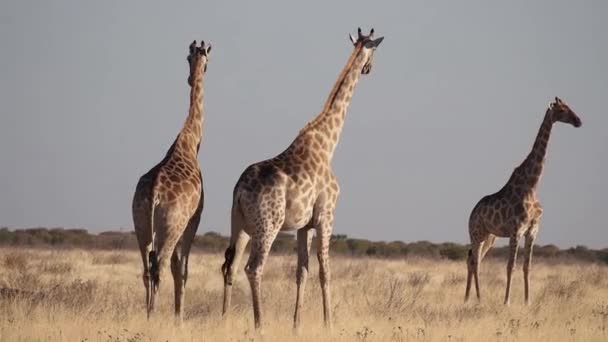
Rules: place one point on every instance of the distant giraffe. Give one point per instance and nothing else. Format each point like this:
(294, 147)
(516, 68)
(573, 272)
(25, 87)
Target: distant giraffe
(168, 200)
(296, 190)
(514, 210)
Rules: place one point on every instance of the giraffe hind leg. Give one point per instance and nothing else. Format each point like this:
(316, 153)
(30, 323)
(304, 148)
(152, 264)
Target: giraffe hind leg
(476, 261)
(179, 262)
(233, 255)
(260, 248)
(142, 224)
(469, 275)
(473, 262)
(153, 280)
(169, 227)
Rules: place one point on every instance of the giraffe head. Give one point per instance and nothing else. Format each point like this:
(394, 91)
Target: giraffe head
(368, 46)
(561, 112)
(198, 58)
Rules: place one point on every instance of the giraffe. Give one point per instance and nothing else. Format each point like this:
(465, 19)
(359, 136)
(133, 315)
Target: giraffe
(296, 190)
(168, 200)
(515, 210)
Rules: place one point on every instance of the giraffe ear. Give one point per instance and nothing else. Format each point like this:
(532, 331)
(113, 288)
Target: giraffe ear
(192, 46)
(208, 48)
(372, 44)
(352, 39)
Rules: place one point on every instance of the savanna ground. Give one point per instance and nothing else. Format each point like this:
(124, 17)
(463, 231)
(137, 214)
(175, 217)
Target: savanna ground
(80, 295)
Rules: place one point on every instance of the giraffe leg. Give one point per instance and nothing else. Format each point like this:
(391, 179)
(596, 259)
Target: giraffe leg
(304, 242)
(153, 281)
(147, 278)
(183, 248)
(473, 262)
(513, 246)
(178, 280)
(323, 237)
(470, 265)
(233, 255)
(476, 257)
(260, 248)
(170, 225)
(141, 222)
(179, 261)
(530, 237)
(487, 244)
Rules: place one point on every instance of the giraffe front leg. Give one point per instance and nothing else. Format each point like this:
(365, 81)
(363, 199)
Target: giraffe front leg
(513, 246)
(530, 237)
(487, 245)
(323, 237)
(304, 242)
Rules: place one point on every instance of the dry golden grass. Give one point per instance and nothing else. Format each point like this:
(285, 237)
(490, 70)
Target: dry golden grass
(99, 296)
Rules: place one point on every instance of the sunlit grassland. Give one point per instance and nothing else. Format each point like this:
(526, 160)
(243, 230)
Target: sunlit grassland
(78, 295)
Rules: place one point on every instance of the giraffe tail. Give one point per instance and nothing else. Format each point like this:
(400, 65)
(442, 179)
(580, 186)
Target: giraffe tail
(236, 226)
(153, 254)
(154, 269)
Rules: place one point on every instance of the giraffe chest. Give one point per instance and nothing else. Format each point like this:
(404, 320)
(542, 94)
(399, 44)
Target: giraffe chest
(308, 199)
(300, 197)
(298, 211)
(521, 218)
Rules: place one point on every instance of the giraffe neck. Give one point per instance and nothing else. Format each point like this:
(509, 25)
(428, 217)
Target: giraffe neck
(531, 168)
(189, 138)
(327, 126)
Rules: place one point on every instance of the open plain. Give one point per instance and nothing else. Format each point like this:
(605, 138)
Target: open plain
(80, 295)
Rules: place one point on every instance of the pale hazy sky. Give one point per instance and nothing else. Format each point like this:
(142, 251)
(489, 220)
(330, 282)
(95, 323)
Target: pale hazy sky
(92, 94)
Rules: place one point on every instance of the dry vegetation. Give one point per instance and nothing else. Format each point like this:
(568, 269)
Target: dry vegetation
(79, 295)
